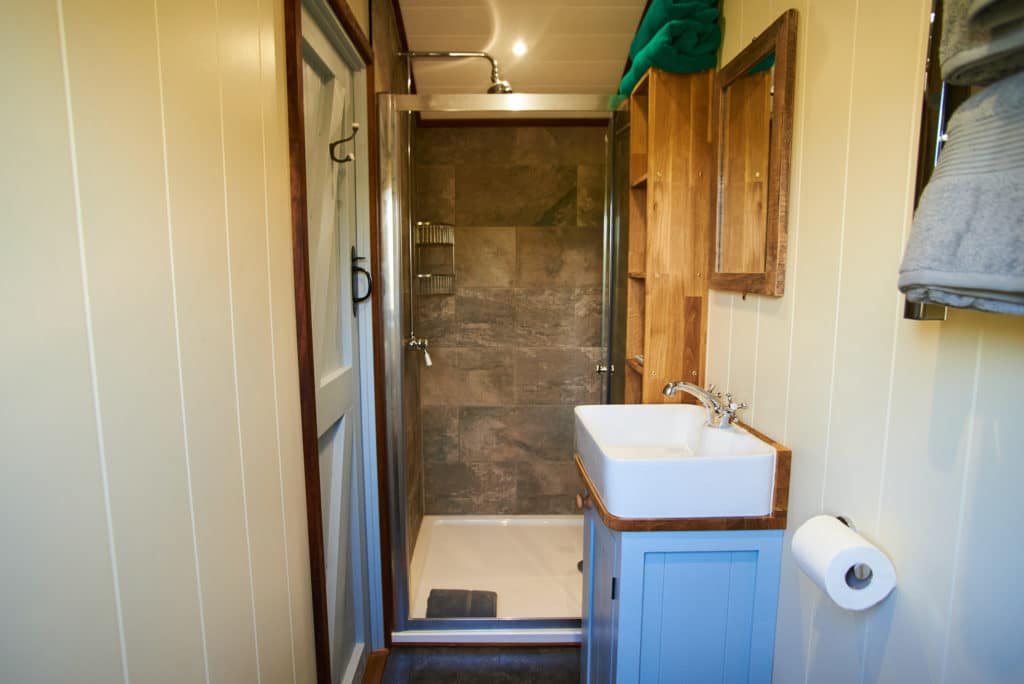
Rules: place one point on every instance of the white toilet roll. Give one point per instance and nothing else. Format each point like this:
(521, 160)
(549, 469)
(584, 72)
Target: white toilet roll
(827, 551)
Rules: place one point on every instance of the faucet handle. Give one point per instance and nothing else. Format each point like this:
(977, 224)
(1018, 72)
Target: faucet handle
(730, 408)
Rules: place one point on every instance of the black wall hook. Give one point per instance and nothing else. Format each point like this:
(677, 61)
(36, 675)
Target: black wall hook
(335, 151)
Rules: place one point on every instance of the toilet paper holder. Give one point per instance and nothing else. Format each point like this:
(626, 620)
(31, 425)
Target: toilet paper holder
(860, 574)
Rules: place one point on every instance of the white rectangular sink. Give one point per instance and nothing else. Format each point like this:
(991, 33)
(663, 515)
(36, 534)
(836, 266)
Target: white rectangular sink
(662, 461)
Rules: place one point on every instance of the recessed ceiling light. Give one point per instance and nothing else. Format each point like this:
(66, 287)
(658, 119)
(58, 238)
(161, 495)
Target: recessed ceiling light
(519, 49)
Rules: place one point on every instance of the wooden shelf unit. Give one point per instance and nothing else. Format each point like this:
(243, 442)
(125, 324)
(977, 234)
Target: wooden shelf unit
(671, 172)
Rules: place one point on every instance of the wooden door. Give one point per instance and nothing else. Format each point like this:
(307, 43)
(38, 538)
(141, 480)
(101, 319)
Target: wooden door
(328, 107)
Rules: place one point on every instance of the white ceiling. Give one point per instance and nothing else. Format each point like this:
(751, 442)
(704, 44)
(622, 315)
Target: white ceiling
(573, 46)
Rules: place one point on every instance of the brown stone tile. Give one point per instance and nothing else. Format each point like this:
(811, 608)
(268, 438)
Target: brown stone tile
(567, 145)
(579, 144)
(590, 195)
(515, 195)
(487, 377)
(440, 427)
(479, 488)
(516, 433)
(587, 312)
(434, 145)
(547, 487)
(545, 317)
(536, 145)
(464, 145)
(411, 424)
(559, 257)
(435, 319)
(485, 257)
(557, 376)
(440, 379)
(414, 512)
(413, 452)
(434, 186)
(467, 377)
(484, 317)
(557, 504)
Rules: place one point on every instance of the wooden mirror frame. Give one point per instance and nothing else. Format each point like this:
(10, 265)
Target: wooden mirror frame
(779, 38)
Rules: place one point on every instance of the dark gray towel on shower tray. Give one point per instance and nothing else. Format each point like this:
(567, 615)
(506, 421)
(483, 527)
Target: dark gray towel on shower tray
(462, 603)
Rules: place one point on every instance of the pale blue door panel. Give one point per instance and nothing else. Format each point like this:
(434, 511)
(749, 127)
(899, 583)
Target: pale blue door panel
(697, 615)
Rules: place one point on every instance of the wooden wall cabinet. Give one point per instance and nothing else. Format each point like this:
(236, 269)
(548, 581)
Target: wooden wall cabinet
(671, 173)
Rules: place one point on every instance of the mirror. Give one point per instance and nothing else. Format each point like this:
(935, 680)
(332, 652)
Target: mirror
(754, 133)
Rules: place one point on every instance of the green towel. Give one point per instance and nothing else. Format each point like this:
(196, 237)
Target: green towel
(663, 11)
(764, 65)
(682, 46)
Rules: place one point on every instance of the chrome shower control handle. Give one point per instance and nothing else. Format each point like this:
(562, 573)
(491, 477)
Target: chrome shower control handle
(421, 344)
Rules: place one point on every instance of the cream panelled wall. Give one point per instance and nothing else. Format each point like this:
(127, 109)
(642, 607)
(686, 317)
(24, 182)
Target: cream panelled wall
(913, 429)
(152, 489)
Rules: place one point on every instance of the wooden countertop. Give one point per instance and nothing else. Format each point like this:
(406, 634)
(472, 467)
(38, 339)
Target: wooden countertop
(775, 521)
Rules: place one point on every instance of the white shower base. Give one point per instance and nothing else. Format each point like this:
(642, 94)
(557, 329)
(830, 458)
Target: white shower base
(529, 560)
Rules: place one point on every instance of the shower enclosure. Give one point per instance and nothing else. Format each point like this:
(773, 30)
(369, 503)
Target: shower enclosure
(497, 246)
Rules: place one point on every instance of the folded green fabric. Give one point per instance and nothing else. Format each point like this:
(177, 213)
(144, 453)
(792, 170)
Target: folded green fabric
(662, 12)
(682, 46)
(764, 65)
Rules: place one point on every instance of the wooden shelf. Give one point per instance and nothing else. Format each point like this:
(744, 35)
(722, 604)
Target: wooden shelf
(666, 317)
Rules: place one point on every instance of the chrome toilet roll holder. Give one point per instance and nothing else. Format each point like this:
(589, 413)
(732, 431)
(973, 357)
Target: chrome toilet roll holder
(859, 575)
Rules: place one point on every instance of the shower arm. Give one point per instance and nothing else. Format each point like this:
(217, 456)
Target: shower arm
(411, 55)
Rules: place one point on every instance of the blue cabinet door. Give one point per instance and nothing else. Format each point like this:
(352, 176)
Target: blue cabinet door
(600, 580)
(678, 606)
(697, 606)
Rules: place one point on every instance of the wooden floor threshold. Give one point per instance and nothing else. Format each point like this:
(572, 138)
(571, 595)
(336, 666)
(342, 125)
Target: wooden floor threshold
(375, 665)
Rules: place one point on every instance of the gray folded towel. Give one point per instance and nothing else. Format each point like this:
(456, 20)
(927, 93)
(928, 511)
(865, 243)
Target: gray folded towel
(462, 603)
(982, 41)
(992, 14)
(966, 246)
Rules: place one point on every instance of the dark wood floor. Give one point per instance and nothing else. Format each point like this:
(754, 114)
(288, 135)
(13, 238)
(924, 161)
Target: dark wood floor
(483, 665)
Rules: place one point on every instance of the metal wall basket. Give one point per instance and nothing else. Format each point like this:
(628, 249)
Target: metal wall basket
(434, 257)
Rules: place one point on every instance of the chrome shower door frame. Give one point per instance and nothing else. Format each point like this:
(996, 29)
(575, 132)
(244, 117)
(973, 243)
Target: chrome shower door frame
(394, 130)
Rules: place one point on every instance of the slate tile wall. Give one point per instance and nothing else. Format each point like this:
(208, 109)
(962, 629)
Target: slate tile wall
(515, 347)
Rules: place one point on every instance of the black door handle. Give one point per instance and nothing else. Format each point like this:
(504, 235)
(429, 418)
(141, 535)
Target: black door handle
(358, 270)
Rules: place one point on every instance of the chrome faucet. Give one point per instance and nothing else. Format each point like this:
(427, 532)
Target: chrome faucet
(421, 344)
(721, 411)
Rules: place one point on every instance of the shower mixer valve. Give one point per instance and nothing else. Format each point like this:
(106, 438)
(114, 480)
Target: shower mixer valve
(421, 344)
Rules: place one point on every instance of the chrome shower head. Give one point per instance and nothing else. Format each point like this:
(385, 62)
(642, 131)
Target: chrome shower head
(499, 86)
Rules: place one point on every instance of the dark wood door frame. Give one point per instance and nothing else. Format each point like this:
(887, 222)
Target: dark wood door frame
(303, 319)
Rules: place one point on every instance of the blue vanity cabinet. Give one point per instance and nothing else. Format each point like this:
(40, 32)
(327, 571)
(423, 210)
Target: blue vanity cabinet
(600, 589)
(678, 606)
